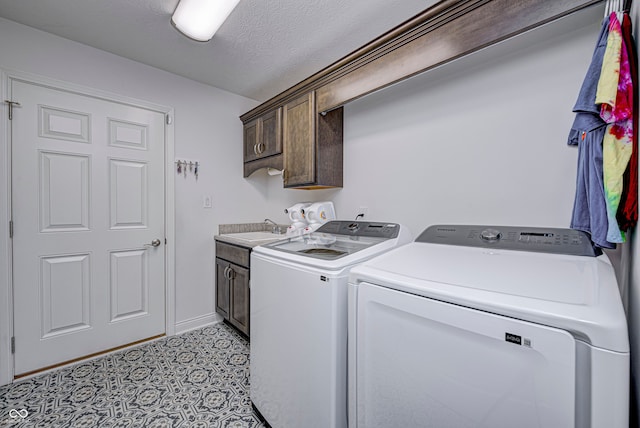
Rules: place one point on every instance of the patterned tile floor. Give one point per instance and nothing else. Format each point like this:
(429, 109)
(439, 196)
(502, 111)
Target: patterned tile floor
(198, 379)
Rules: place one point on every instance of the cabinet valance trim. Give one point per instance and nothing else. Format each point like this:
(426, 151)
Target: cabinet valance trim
(446, 31)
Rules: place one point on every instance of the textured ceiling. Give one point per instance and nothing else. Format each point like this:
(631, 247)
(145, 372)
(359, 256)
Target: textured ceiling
(262, 49)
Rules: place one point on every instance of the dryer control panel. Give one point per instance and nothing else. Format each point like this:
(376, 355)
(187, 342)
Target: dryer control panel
(536, 239)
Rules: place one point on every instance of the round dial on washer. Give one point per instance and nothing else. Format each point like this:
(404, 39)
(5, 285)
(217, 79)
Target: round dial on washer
(490, 235)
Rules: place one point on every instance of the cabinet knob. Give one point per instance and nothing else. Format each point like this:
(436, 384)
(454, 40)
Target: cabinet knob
(255, 149)
(261, 148)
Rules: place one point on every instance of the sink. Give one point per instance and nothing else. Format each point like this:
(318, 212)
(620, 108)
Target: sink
(255, 236)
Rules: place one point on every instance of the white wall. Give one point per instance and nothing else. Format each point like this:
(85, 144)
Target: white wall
(481, 140)
(207, 128)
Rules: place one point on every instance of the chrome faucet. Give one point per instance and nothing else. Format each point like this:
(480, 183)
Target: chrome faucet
(275, 228)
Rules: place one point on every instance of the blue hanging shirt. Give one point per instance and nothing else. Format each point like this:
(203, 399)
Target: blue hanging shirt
(587, 132)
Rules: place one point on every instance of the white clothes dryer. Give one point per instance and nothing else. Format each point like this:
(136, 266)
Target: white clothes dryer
(493, 327)
(298, 356)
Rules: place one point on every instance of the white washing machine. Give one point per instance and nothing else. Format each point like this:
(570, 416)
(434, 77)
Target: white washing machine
(475, 326)
(298, 356)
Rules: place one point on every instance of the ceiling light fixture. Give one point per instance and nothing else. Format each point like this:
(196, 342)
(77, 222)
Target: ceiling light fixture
(200, 19)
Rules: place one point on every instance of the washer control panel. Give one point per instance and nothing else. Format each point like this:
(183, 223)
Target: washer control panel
(536, 239)
(361, 228)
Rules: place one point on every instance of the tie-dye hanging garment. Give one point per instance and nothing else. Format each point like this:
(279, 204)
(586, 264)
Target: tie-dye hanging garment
(615, 95)
(628, 209)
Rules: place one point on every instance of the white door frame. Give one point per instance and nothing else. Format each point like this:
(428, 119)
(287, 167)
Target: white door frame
(6, 297)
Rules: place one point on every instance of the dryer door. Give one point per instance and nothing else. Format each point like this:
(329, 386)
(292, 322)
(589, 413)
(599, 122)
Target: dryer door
(427, 363)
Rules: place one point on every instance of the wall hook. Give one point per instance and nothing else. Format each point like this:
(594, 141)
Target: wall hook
(187, 166)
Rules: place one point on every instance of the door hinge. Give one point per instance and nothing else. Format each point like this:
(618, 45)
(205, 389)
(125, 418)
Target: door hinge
(10, 228)
(11, 104)
(13, 344)
(168, 119)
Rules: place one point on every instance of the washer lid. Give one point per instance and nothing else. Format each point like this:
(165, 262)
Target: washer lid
(324, 246)
(575, 293)
(338, 244)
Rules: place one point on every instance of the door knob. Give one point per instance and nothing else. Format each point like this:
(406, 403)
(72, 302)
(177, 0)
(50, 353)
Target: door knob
(154, 243)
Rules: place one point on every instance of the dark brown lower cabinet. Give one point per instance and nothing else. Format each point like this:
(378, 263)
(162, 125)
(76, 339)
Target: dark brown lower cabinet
(232, 284)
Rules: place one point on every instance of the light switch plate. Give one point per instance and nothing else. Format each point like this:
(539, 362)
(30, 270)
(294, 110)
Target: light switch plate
(206, 202)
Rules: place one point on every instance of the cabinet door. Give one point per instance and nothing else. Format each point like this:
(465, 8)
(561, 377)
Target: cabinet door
(263, 136)
(239, 302)
(270, 141)
(222, 288)
(251, 141)
(299, 141)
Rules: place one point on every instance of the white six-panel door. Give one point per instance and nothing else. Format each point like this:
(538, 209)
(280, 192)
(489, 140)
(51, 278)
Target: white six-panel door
(87, 202)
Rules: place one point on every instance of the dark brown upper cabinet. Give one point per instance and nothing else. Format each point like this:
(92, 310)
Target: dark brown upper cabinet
(312, 145)
(263, 142)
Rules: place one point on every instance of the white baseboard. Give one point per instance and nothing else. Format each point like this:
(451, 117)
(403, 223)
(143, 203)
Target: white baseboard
(197, 322)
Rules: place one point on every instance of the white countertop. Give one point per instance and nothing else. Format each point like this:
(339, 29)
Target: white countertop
(249, 239)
